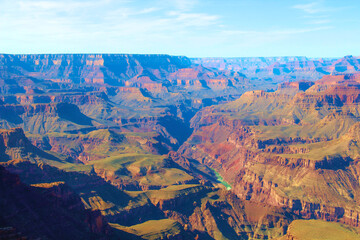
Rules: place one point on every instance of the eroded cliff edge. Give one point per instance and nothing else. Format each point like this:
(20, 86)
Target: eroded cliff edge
(295, 148)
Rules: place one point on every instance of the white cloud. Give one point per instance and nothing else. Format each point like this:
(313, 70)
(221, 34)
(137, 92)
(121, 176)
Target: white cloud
(311, 8)
(317, 12)
(193, 19)
(185, 5)
(317, 7)
(59, 6)
(131, 26)
(319, 21)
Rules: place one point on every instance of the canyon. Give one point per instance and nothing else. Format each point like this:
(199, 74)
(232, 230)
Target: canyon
(132, 146)
(291, 149)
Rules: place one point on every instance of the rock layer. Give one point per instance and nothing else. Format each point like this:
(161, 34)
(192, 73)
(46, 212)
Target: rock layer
(289, 149)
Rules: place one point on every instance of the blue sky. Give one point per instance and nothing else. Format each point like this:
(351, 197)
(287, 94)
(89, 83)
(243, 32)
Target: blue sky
(195, 28)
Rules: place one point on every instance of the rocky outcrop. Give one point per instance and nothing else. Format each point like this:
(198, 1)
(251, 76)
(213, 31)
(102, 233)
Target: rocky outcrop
(31, 210)
(98, 197)
(15, 145)
(294, 87)
(283, 68)
(93, 69)
(73, 98)
(59, 94)
(254, 187)
(245, 62)
(181, 197)
(225, 215)
(203, 211)
(155, 73)
(264, 145)
(279, 147)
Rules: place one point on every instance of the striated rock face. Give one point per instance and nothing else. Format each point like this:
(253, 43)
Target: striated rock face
(294, 149)
(295, 87)
(76, 113)
(52, 95)
(154, 73)
(224, 215)
(74, 98)
(134, 147)
(93, 193)
(90, 68)
(13, 138)
(246, 62)
(198, 210)
(85, 147)
(15, 145)
(195, 207)
(283, 68)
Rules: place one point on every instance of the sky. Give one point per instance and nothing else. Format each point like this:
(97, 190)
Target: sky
(194, 28)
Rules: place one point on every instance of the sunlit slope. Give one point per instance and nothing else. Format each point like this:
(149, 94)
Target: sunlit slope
(296, 147)
(140, 171)
(320, 230)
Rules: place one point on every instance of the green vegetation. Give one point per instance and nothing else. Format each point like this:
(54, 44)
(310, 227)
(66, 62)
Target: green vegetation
(309, 142)
(325, 121)
(166, 176)
(102, 143)
(153, 229)
(139, 161)
(69, 167)
(341, 147)
(321, 230)
(146, 169)
(174, 191)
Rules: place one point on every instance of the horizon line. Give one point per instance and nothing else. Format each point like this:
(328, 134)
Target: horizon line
(175, 55)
